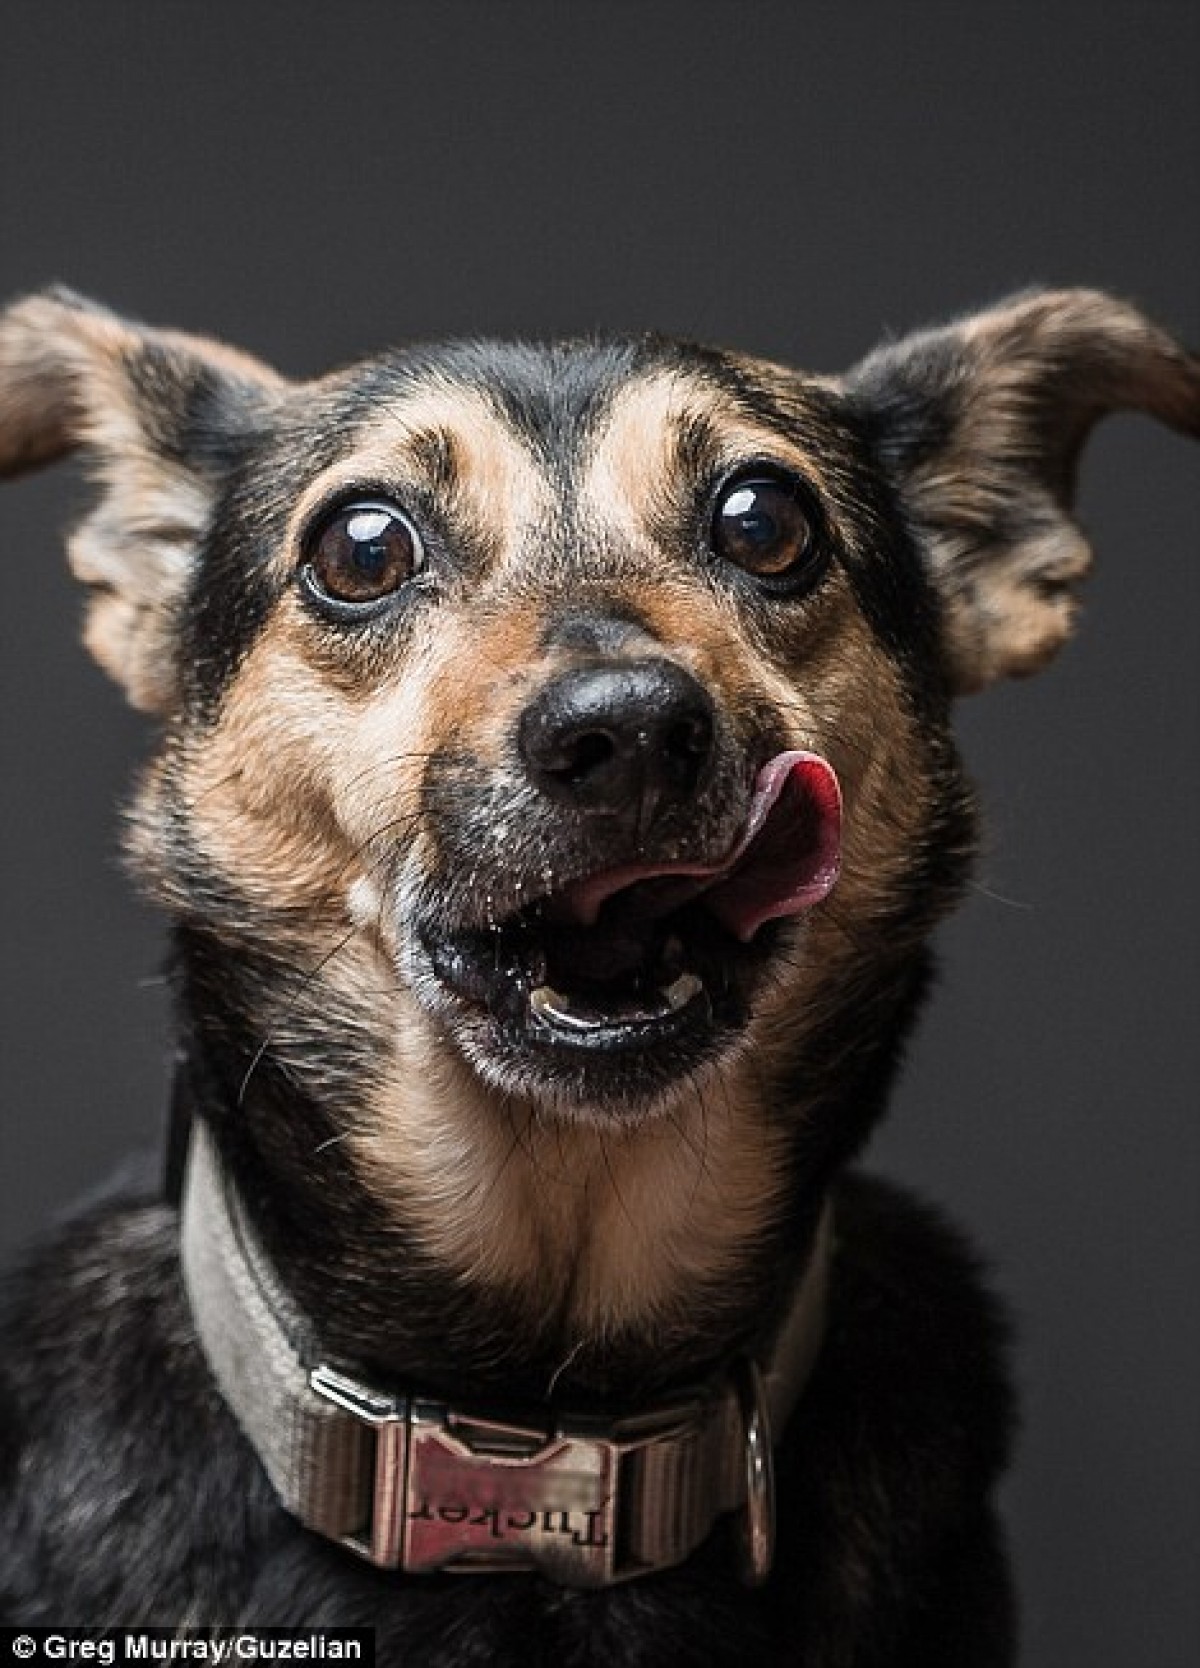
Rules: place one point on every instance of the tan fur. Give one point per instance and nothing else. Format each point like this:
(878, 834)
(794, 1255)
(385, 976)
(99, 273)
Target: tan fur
(136, 564)
(603, 1228)
(497, 484)
(1013, 621)
(259, 790)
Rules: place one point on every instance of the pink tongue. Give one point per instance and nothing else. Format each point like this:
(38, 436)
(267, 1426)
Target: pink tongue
(786, 860)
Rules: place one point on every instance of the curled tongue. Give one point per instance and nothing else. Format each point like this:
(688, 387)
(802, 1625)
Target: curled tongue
(790, 854)
(786, 859)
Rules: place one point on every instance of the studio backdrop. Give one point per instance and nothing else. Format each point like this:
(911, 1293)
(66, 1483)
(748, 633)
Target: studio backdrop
(314, 181)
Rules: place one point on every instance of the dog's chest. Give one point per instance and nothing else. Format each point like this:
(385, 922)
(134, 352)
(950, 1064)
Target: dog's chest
(132, 1497)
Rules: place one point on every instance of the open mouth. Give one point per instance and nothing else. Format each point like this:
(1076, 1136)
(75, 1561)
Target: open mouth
(638, 955)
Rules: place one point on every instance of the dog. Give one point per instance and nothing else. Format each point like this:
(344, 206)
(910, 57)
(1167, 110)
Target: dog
(555, 796)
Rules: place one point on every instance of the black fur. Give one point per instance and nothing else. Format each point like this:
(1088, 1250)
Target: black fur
(888, 1554)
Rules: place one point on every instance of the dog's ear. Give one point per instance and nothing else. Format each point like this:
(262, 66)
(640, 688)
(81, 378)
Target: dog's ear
(162, 417)
(980, 425)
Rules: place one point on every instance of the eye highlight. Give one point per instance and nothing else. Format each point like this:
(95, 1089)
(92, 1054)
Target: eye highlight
(361, 553)
(766, 525)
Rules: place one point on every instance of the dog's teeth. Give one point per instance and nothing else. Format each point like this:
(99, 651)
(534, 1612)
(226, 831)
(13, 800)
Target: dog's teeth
(557, 1009)
(678, 995)
(552, 1004)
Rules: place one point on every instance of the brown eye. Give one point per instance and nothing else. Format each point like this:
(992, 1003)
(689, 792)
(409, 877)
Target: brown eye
(763, 525)
(362, 553)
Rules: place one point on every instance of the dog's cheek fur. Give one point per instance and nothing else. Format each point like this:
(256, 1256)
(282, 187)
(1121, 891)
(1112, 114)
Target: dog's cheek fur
(826, 1037)
(244, 801)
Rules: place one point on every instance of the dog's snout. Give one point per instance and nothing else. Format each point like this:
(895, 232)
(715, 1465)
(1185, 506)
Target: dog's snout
(626, 739)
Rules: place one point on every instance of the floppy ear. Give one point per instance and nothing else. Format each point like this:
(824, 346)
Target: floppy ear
(980, 425)
(162, 417)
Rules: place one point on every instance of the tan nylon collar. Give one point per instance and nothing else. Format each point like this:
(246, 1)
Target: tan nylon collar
(417, 1485)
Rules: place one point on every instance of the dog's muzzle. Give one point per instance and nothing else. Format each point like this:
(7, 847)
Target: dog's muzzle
(639, 964)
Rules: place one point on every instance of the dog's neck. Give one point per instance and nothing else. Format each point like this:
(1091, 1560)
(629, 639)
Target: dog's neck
(421, 1484)
(381, 1302)
(508, 1250)
(380, 1297)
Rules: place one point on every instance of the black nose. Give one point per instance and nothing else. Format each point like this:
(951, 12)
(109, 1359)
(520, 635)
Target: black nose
(627, 739)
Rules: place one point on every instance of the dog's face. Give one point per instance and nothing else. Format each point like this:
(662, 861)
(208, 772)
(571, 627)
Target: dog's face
(569, 724)
(559, 660)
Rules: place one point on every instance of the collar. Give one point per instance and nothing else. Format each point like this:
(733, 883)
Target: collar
(417, 1485)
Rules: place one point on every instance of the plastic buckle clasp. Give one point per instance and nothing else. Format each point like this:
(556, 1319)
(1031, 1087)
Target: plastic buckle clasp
(380, 1537)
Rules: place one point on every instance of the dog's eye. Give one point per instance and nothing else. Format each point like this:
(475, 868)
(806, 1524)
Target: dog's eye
(362, 552)
(764, 525)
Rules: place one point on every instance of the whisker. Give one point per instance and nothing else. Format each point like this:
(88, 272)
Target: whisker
(307, 981)
(612, 1178)
(999, 897)
(388, 763)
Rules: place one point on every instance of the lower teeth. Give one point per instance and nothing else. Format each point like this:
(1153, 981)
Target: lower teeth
(678, 995)
(553, 1005)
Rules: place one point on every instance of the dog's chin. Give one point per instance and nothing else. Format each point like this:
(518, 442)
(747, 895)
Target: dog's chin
(608, 1020)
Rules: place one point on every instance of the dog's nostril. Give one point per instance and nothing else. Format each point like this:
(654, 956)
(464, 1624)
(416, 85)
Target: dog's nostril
(589, 753)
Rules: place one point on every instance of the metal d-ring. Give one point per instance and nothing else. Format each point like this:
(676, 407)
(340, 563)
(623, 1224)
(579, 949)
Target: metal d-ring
(758, 1524)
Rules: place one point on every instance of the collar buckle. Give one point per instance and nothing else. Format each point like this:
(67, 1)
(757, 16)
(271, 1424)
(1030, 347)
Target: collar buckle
(484, 1494)
(465, 1494)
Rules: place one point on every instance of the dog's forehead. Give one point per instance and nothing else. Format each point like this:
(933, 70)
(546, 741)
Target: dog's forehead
(551, 398)
(514, 430)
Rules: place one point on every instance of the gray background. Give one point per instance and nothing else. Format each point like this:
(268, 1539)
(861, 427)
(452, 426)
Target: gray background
(315, 180)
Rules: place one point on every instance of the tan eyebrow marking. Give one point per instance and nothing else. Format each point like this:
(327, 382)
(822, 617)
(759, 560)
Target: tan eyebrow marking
(453, 439)
(435, 451)
(666, 431)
